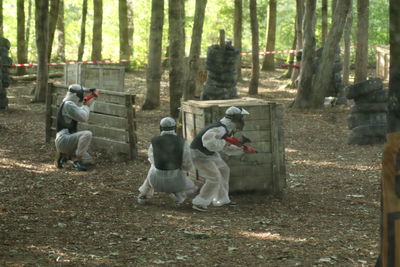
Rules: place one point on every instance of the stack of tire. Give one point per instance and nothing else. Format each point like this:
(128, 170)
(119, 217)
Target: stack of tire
(5, 63)
(368, 118)
(221, 73)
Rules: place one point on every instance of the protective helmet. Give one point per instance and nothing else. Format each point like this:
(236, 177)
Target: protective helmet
(167, 124)
(235, 114)
(76, 89)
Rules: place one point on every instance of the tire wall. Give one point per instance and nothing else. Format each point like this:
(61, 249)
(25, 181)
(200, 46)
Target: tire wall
(368, 116)
(221, 74)
(6, 62)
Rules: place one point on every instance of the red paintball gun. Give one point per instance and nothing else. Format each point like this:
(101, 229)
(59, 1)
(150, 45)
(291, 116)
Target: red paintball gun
(93, 93)
(237, 142)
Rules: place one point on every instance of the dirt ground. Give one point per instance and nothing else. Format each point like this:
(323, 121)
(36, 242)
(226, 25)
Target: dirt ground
(327, 216)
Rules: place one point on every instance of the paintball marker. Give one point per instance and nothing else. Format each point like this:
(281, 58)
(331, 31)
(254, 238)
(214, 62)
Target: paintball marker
(93, 93)
(237, 142)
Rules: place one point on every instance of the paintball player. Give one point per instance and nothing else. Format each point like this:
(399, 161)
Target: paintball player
(72, 144)
(205, 149)
(169, 156)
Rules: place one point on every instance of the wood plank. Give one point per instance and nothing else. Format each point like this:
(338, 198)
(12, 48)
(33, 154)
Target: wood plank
(250, 184)
(108, 121)
(119, 135)
(110, 146)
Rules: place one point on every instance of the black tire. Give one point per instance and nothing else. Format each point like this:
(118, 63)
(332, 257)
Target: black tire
(370, 130)
(364, 87)
(5, 43)
(369, 107)
(379, 96)
(354, 139)
(358, 119)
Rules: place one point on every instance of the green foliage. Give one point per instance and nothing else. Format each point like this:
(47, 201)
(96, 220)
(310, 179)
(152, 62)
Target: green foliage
(219, 15)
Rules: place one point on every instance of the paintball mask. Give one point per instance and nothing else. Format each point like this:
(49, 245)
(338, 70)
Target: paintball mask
(167, 124)
(235, 114)
(76, 89)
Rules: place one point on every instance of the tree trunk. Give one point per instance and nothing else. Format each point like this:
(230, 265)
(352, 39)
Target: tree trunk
(324, 21)
(28, 26)
(255, 73)
(176, 55)
(304, 92)
(290, 58)
(81, 48)
(237, 35)
(124, 50)
(299, 38)
(97, 29)
(53, 17)
(324, 71)
(42, 41)
(269, 59)
(153, 73)
(21, 45)
(390, 183)
(361, 64)
(347, 44)
(334, 5)
(195, 49)
(130, 27)
(61, 33)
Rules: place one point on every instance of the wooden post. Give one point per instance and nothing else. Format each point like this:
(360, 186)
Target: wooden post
(222, 39)
(49, 98)
(132, 153)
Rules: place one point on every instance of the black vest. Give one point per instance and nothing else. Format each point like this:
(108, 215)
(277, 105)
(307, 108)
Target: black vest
(62, 124)
(197, 142)
(167, 151)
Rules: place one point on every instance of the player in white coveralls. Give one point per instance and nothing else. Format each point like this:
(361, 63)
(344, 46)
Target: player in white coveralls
(205, 150)
(71, 143)
(170, 160)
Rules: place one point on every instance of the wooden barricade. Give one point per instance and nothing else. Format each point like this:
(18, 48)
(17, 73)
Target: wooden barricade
(112, 121)
(264, 171)
(382, 63)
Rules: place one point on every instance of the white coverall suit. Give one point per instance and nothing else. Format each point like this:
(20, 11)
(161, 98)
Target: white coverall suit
(75, 144)
(169, 181)
(213, 168)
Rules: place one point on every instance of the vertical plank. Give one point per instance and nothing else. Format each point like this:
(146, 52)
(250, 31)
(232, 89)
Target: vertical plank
(274, 148)
(132, 139)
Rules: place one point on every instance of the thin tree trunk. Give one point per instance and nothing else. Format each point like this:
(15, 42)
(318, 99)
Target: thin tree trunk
(361, 65)
(42, 41)
(304, 92)
(61, 33)
(347, 43)
(81, 48)
(255, 73)
(153, 73)
(324, 71)
(124, 51)
(237, 35)
(21, 45)
(195, 49)
(290, 59)
(324, 21)
(299, 38)
(97, 29)
(53, 17)
(269, 59)
(176, 55)
(131, 27)
(28, 26)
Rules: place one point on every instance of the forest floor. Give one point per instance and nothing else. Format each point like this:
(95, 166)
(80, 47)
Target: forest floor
(328, 215)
